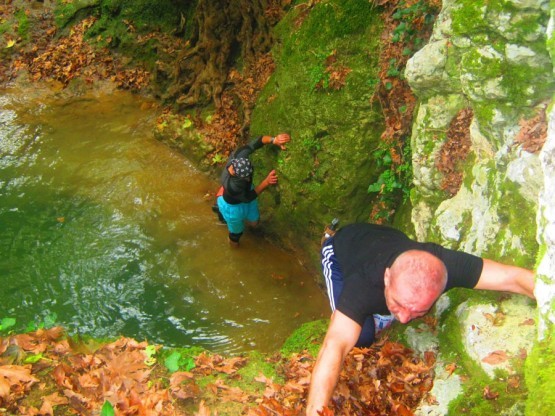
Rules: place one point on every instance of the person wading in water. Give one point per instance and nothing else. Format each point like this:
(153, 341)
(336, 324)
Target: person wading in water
(236, 200)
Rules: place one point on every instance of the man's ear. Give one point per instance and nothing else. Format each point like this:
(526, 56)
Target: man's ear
(386, 276)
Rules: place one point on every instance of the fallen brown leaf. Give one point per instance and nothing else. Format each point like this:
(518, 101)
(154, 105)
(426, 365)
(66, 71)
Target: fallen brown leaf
(495, 357)
(489, 394)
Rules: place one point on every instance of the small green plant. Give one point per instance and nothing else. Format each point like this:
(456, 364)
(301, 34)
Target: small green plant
(187, 124)
(393, 71)
(7, 323)
(404, 32)
(372, 82)
(180, 359)
(319, 74)
(217, 159)
(48, 322)
(311, 144)
(176, 361)
(150, 352)
(393, 184)
(319, 78)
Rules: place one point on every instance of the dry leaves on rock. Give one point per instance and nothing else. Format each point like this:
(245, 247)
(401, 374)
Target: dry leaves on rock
(533, 132)
(454, 151)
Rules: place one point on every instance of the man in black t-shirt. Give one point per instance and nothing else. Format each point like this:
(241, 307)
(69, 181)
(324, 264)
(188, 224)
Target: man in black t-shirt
(237, 200)
(375, 274)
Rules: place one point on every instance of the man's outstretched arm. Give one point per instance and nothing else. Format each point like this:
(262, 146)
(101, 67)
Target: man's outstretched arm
(498, 276)
(341, 337)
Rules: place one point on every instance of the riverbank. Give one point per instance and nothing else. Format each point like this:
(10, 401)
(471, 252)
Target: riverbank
(46, 372)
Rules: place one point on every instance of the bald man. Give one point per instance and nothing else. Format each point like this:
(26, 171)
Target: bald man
(375, 274)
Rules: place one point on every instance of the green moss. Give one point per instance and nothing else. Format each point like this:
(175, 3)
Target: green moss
(484, 111)
(4, 27)
(64, 12)
(403, 218)
(529, 24)
(527, 86)
(482, 67)
(23, 24)
(473, 402)
(551, 41)
(308, 337)
(257, 364)
(148, 14)
(468, 17)
(540, 368)
(524, 85)
(514, 221)
(334, 20)
(542, 250)
(326, 169)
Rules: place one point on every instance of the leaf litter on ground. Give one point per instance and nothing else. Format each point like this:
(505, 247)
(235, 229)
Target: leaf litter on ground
(387, 378)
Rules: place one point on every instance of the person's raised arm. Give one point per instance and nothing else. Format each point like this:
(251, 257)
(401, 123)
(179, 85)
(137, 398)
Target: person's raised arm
(341, 337)
(279, 140)
(498, 276)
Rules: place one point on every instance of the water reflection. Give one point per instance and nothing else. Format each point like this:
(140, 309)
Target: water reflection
(109, 229)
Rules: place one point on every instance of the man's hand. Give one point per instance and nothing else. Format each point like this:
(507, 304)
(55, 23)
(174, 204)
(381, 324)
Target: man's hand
(341, 337)
(272, 178)
(281, 139)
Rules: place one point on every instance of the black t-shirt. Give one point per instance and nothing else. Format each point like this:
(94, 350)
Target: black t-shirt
(364, 251)
(238, 190)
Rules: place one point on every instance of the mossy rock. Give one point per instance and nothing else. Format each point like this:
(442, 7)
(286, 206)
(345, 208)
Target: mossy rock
(327, 167)
(308, 337)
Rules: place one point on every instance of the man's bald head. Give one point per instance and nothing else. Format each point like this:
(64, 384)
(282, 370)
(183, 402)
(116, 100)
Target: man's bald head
(419, 270)
(413, 283)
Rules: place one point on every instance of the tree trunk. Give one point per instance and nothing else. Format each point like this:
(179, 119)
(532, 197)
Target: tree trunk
(225, 32)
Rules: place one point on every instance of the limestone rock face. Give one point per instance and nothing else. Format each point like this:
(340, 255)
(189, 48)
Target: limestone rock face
(545, 284)
(492, 59)
(484, 59)
(495, 336)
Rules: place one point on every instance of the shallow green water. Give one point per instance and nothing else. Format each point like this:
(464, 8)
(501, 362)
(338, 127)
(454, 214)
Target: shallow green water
(112, 231)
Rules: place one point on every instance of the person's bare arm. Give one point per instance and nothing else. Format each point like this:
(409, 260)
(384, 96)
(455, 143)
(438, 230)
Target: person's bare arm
(498, 276)
(341, 337)
(271, 179)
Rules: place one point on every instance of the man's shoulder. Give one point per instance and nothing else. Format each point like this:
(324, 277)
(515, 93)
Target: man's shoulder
(370, 230)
